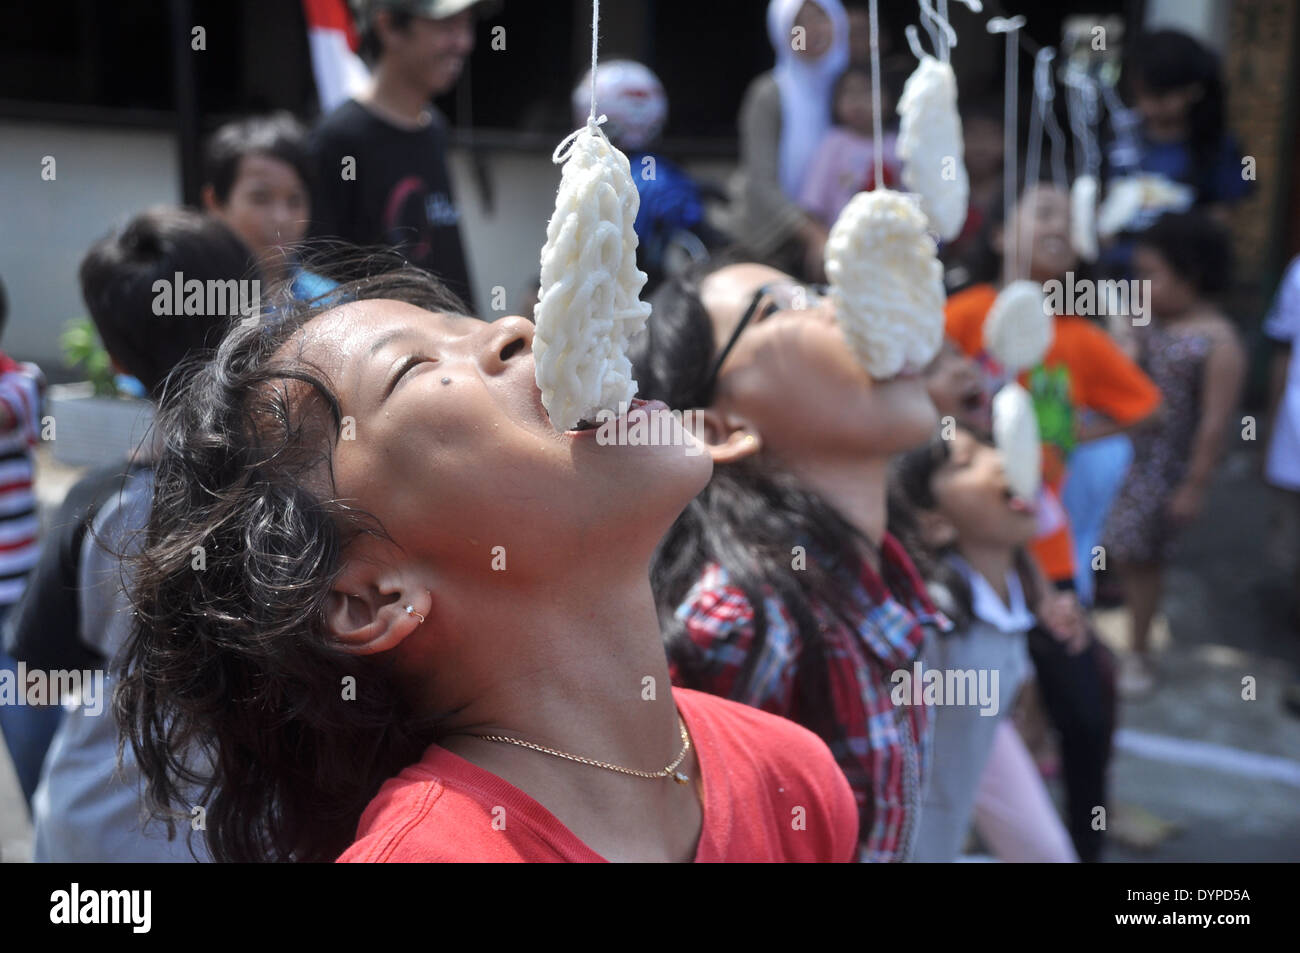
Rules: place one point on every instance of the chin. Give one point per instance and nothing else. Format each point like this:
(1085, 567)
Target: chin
(635, 499)
(909, 411)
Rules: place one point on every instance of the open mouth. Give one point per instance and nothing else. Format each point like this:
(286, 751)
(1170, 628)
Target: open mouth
(973, 401)
(1018, 504)
(636, 404)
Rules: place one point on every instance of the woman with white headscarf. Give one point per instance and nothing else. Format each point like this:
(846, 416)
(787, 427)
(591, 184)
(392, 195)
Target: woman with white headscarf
(783, 117)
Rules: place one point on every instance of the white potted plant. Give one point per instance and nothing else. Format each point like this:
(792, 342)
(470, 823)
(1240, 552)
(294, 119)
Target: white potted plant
(95, 423)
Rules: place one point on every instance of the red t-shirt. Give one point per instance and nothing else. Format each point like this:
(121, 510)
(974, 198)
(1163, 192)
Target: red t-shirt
(758, 770)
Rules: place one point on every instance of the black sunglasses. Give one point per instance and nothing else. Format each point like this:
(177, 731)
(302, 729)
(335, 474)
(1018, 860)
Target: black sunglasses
(711, 379)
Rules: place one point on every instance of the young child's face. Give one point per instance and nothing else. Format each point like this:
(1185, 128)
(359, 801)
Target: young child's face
(853, 105)
(1165, 108)
(818, 30)
(1042, 217)
(956, 386)
(268, 206)
(794, 377)
(455, 455)
(972, 495)
(1170, 294)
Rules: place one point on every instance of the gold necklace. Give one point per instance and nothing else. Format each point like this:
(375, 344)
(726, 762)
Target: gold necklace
(667, 772)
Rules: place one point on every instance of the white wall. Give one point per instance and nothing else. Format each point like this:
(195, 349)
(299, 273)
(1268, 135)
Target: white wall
(101, 177)
(1207, 20)
(106, 175)
(504, 248)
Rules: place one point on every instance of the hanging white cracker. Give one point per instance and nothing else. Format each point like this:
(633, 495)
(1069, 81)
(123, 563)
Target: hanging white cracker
(1083, 217)
(930, 145)
(589, 306)
(886, 282)
(1019, 329)
(930, 142)
(1015, 434)
(1082, 108)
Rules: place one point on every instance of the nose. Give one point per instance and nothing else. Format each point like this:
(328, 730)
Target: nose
(505, 341)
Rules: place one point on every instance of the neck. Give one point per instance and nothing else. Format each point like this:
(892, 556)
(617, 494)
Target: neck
(392, 95)
(857, 490)
(589, 677)
(991, 562)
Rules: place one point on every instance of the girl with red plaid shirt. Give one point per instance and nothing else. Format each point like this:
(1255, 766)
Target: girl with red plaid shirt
(779, 585)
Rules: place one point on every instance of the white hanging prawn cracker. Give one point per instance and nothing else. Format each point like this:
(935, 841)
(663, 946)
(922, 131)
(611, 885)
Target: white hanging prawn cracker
(931, 147)
(886, 282)
(589, 307)
(1019, 330)
(1015, 434)
(1083, 217)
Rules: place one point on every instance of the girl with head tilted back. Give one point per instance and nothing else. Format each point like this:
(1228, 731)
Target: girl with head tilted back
(779, 585)
(409, 620)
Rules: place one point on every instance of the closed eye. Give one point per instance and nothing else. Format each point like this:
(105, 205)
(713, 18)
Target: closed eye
(406, 365)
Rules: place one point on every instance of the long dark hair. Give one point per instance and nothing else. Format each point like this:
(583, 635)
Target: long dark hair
(910, 492)
(230, 691)
(748, 519)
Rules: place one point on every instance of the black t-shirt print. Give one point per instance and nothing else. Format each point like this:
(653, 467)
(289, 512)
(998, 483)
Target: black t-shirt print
(400, 197)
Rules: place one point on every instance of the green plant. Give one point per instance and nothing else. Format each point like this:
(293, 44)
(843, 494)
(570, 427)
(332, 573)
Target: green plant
(83, 349)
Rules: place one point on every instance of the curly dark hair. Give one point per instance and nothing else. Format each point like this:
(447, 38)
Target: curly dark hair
(229, 663)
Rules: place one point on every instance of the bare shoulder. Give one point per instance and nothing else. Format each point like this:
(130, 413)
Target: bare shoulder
(1221, 330)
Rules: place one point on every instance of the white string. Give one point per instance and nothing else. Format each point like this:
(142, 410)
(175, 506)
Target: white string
(1034, 153)
(1081, 109)
(942, 36)
(1009, 26)
(938, 32)
(877, 120)
(595, 23)
(594, 122)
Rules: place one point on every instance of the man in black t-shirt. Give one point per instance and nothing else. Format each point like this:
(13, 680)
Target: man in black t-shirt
(381, 158)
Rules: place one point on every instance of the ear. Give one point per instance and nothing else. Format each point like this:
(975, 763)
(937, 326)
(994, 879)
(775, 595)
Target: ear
(727, 437)
(366, 611)
(936, 531)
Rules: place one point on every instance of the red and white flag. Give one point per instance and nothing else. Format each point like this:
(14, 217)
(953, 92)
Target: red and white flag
(339, 71)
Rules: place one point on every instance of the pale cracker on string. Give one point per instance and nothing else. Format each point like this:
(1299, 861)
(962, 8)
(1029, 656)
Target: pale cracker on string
(589, 306)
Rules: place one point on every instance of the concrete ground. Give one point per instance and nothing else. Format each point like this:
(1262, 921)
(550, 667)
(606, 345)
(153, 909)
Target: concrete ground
(1217, 774)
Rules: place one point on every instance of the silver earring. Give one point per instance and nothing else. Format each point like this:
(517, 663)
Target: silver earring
(410, 610)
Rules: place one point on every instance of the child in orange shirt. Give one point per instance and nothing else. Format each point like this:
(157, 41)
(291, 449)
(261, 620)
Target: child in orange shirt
(1083, 369)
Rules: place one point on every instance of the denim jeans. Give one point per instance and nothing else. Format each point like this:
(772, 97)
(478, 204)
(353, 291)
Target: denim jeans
(26, 730)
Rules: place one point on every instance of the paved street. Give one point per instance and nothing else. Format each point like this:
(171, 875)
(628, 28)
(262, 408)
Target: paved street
(1222, 772)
